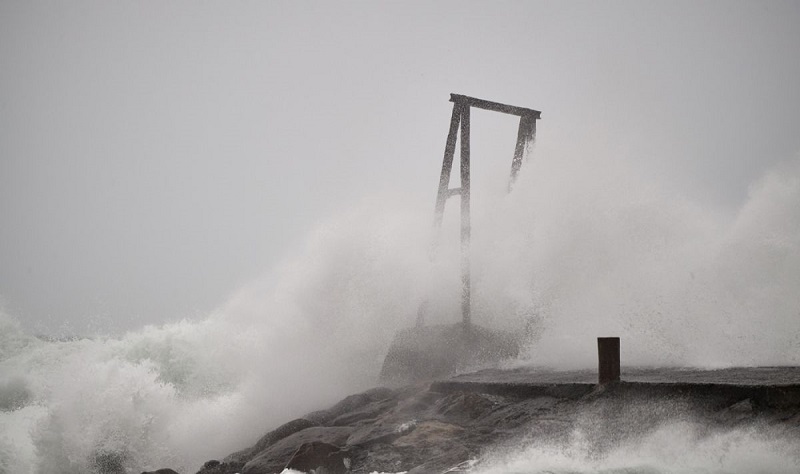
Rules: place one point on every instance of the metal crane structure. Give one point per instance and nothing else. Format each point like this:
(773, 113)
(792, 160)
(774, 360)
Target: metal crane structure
(461, 117)
(427, 352)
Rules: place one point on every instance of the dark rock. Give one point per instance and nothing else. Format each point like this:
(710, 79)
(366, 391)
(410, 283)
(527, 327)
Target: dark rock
(381, 433)
(450, 462)
(428, 441)
(437, 444)
(744, 406)
(421, 404)
(449, 426)
(321, 457)
(274, 458)
(160, 471)
(365, 414)
(430, 433)
(217, 467)
(431, 352)
(508, 416)
(351, 404)
(466, 408)
(269, 439)
(381, 458)
(739, 411)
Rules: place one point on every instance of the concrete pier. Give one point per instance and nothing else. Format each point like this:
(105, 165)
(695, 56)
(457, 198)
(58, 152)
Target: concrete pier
(776, 387)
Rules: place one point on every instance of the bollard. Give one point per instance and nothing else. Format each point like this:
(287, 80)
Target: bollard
(608, 359)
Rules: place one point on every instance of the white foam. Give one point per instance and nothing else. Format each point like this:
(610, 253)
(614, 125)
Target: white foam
(581, 247)
(674, 448)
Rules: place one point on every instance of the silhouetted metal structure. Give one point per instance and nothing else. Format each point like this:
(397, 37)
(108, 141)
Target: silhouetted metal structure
(525, 137)
(431, 352)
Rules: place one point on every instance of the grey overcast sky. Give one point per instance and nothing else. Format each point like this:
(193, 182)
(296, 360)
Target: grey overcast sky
(154, 156)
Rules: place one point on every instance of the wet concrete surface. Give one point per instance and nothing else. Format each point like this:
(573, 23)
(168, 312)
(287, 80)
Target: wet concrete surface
(754, 376)
(775, 387)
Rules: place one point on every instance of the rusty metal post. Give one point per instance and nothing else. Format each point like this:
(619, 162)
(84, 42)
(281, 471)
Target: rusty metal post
(466, 230)
(447, 166)
(525, 137)
(608, 359)
(461, 117)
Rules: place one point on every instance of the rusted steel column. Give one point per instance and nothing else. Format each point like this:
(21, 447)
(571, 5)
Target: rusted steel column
(525, 136)
(494, 106)
(608, 359)
(465, 221)
(461, 117)
(447, 166)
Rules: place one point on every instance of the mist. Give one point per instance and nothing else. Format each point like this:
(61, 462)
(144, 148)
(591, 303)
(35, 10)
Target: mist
(631, 442)
(613, 255)
(157, 159)
(224, 211)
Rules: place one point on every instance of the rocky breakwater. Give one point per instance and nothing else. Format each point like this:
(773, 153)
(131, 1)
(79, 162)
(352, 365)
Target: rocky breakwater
(450, 426)
(416, 428)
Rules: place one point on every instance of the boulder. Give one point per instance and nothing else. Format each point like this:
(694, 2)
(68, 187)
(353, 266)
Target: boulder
(351, 404)
(380, 433)
(320, 457)
(268, 440)
(453, 461)
(220, 467)
(430, 352)
(435, 444)
(274, 458)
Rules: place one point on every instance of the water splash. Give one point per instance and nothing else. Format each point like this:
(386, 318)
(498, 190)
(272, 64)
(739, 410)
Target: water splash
(678, 447)
(602, 251)
(579, 249)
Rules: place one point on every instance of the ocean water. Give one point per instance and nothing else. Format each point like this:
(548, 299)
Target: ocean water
(578, 250)
(677, 447)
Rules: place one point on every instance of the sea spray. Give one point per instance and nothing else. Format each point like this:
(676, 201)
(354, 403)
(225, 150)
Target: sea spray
(579, 248)
(597, 251)
(675, 447)
(177, 394)
(678, 434)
